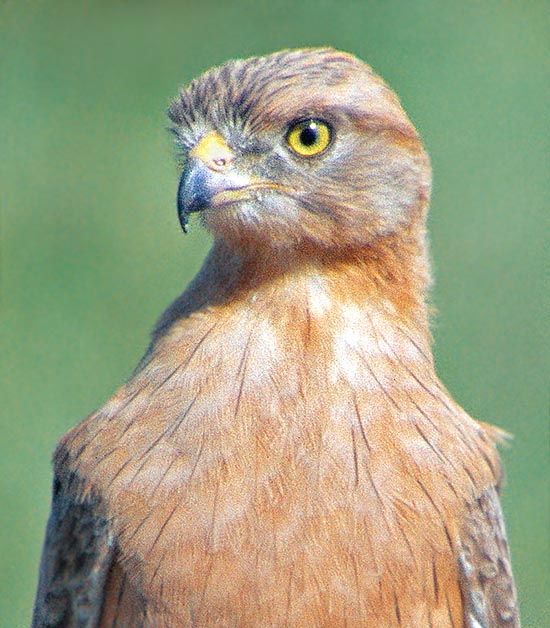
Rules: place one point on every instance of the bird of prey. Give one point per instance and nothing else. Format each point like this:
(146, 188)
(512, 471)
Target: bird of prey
(284, 455)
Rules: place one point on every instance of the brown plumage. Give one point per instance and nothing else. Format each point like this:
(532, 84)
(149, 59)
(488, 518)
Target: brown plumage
(284, 455)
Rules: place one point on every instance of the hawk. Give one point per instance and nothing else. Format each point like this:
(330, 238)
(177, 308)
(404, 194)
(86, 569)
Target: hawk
(284, 455)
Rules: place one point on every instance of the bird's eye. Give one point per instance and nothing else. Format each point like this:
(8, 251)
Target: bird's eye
(309, 137)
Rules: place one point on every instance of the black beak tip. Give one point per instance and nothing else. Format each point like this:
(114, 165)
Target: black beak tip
(183, 205)
(183, 216)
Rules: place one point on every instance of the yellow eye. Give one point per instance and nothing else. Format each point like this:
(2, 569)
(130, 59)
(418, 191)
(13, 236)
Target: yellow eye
(309, 137)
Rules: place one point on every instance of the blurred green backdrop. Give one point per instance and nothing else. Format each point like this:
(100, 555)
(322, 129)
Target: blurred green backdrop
(91, 250)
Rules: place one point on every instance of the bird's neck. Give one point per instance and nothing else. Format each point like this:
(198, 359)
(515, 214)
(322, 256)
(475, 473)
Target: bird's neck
(386, 283)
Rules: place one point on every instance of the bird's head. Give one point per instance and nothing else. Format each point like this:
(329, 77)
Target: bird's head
(299, 150)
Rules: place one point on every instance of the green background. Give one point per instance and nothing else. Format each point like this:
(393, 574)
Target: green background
(91, 250)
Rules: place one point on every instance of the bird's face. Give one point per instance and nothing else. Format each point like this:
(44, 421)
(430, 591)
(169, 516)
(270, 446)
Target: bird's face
(304, 149)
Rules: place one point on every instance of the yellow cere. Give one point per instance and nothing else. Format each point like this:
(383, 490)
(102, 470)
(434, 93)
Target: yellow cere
(309, 137)
(211, 145)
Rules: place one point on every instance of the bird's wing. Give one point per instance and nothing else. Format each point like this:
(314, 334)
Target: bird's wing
(76, 559)
(487, 583)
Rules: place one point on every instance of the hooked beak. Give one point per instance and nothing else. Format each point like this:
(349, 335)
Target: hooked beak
(209, 172)
(199, 185)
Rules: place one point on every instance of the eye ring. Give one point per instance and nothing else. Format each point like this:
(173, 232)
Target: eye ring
(308, 138)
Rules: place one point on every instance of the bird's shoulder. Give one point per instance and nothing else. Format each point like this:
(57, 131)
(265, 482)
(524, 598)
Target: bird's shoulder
(486, 578)
(76, 558)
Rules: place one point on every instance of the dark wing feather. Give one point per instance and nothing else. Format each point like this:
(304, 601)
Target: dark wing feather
(487, 583)
(76, 559)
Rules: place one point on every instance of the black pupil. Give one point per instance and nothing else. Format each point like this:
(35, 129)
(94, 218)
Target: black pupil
(309, 135)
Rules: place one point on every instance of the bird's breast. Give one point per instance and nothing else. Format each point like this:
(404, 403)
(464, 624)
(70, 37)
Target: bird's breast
(264, 474)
